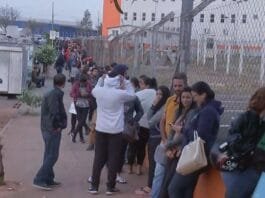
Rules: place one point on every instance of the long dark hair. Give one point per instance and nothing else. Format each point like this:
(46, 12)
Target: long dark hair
(257, 101)
(151, 82)
(201, 88)
(181, 108)
(165, 94)
(135, 82)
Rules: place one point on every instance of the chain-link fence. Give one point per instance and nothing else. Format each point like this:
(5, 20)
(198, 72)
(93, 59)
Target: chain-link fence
(227, 50)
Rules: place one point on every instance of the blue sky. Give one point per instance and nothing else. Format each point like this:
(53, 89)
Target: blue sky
(67, 10)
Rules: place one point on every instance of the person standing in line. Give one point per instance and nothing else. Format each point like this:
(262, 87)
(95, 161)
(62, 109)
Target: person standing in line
(53, 121)
(179, 81)
(244, 137)
(206, 122)
(133, 112)
(146, 97)
(110, 125)
(184, 113)
(154, 115)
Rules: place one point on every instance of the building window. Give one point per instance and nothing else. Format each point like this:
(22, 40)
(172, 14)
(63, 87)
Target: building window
(202, 18)
(233, 18)
(209, 43)
(225, 32)
(162, 15)
(255, 17)
(212, 18)
(172, 19)
(125, 16)
(222, 18)
(153, 18)
(143, 16)
(244, 18)
(134, 16)
(115, 32)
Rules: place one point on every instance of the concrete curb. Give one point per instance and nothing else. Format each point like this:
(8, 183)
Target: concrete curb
(7, 125)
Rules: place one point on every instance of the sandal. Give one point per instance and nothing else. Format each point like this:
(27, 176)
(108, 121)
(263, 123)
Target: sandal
(143, 191)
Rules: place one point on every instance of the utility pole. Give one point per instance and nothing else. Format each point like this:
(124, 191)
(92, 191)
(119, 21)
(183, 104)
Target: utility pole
(52, 18)
(185, 34)
(187, 14)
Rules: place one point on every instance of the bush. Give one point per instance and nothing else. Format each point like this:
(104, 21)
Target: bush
(30, 99)
(45, 55)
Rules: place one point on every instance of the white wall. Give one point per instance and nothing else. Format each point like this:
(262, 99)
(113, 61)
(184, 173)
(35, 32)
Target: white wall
(148, 7)
(253, 30)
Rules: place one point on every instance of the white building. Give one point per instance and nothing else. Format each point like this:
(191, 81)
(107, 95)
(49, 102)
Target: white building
(241, 20)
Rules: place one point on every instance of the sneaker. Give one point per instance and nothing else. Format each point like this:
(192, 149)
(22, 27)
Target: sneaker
(42, 186)
(73, 140)
(89, 180)
(111, 191)
(120, 180)
(54, 184)
(93, 190)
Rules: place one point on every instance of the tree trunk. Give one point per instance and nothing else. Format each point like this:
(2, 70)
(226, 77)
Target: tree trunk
(45, 69)
(1, 167)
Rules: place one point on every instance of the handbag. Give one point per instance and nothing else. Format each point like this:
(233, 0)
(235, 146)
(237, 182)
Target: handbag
(130, 132)
(193, 157)
(260, 190)
(72, 109)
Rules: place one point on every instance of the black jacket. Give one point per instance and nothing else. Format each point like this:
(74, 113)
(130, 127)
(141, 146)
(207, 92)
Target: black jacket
(53, 115)
(59, 61)
(247, 129)
(205, 121)
(131, 107)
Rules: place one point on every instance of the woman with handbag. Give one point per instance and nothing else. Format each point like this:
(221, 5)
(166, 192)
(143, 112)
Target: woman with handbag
(154, 115)
(183, 114)
(243, 150)
(81, 92)
(206, 122)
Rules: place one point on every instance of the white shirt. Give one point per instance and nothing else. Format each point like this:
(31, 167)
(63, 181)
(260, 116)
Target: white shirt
(146, 97)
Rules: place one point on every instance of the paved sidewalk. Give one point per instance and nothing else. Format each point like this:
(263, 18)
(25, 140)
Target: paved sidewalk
(23, 152)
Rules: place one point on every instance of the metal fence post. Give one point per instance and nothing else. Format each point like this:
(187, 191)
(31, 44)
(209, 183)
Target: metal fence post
(215, 55)
(228, 58)
(262, 66)
(241, 59)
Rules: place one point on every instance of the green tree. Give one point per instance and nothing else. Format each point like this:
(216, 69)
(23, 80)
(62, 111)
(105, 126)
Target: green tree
(86, 23)
(99, 29)
(32, 25)
(8, 15)
(45, 55)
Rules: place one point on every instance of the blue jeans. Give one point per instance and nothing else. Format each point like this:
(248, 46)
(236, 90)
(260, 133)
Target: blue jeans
(240, 184)
(183, 186)
(157, 180)
(51, 153)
